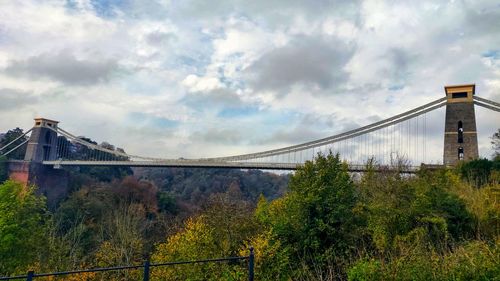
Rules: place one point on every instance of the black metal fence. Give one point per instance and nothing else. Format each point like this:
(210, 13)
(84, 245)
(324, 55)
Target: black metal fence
(145, 267)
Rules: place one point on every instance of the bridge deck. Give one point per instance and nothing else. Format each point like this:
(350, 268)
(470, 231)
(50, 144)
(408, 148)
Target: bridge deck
(214, 164)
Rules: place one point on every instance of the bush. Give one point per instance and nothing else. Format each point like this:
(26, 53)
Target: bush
(474, 260)
(479, 172)
(366, 270)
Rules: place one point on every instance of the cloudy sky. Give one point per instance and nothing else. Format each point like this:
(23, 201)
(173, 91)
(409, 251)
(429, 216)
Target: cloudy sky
(200, 78)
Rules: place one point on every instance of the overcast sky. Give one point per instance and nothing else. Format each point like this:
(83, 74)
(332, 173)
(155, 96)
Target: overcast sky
(210, 78)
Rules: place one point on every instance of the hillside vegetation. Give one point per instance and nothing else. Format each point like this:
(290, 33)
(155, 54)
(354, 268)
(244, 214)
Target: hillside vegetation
(436, 225)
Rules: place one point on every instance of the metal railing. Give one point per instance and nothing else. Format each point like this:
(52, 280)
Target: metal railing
(146, 268)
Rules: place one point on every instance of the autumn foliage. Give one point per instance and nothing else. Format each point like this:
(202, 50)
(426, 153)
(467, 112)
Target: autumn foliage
(328, 225)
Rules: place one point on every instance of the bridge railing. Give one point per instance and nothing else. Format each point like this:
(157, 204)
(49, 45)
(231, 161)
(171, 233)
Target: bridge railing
(146, 268)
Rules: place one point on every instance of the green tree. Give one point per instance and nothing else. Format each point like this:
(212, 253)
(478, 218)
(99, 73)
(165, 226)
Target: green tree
(167, 203)
(106, 208)
(10, 136)
(122, 241)
(22, 226)
(232, 220)
(495, 143)
(4, 173)
(398, 208)
(435, 198)
(195, 241)
(480, 172)
(417, 223)
(225, 223)
(483, 204)
(386, 199)
(316, 222)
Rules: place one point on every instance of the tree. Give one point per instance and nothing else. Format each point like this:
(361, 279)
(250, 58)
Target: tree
(4, 173)
(398, 209)
(495, 143)
(111, 205)
(121, 240)
(385, 199)
(226, 222)
(192, 186)
(196, 241)
(10, 136)
(316, 221)
(232, 220)
(22, 226)
(415, 224)
(480, 171)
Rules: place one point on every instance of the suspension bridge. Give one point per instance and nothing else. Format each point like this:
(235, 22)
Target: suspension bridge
(403, 136)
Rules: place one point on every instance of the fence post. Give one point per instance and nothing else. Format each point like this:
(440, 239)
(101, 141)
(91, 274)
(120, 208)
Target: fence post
(31, 273)
(146, 270)
(251, 265)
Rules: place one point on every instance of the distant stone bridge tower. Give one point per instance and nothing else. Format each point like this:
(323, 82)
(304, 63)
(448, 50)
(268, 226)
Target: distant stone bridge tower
(42, 145)
(460, 134)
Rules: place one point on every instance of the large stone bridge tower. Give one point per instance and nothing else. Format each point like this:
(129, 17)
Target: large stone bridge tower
(460, 135)
(42, 145)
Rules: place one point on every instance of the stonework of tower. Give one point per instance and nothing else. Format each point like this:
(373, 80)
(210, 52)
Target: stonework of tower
(42, 144)
(460, 134)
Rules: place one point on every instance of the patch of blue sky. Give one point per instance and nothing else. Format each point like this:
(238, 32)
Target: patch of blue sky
(390, 99)
(143, 84)
(276, 119)
(3, 36)
(190, 61)
(238, 112)
(268, 123)
(262, 124)
(143, 89)
(396, 87)
(102, 8)
(107, 8)
(231, 83)
(71, 4)
(234, 84)
(206, 36)
(194, 65)
(493, 54)
(196, 102)
(154, 121)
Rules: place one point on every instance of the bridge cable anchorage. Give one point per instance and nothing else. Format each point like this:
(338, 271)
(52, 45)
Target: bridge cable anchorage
(21, 136)
(340, 137)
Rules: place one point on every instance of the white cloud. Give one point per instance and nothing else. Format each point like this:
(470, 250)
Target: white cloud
(201, 84)
(244, 71)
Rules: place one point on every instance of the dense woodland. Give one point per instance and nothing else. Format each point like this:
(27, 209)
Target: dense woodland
(320, 223)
